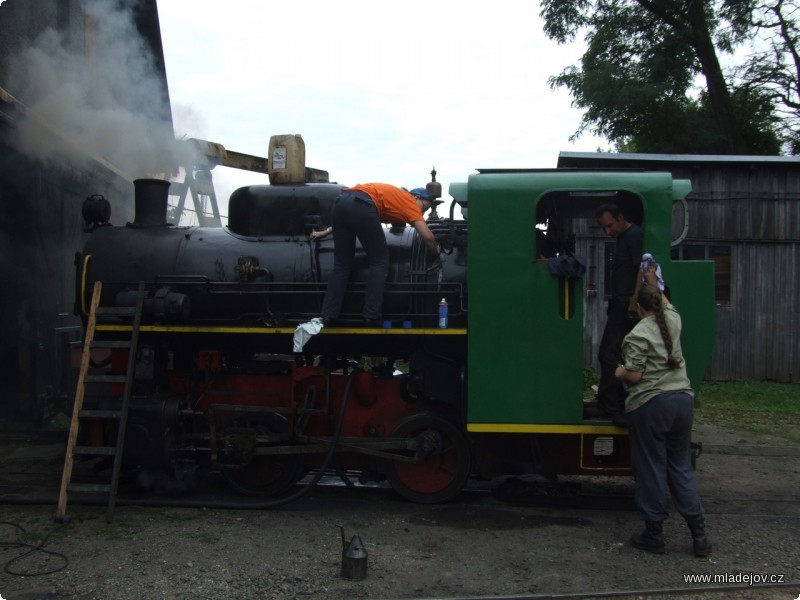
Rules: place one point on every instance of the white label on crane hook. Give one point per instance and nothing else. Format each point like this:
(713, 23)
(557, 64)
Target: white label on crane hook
(279, 157)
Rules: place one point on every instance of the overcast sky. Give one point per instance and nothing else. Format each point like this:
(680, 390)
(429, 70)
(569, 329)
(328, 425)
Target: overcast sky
(379, 91)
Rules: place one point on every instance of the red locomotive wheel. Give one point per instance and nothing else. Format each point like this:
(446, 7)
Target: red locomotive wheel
(443, 452)
(258, 474)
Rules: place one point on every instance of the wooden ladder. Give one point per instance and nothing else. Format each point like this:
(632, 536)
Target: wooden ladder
(120, 415)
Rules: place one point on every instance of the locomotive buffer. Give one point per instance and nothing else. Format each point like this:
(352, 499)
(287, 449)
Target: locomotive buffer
(120, 415)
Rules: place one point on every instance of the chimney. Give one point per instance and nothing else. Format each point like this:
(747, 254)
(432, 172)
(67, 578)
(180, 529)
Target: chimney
(151, 197)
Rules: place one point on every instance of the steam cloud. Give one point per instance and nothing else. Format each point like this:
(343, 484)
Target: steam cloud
(104, 97)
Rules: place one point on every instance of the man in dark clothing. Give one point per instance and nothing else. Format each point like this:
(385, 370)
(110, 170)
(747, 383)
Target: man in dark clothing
(624, 270)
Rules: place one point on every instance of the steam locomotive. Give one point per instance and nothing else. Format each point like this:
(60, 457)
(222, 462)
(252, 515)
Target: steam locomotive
(220, 388)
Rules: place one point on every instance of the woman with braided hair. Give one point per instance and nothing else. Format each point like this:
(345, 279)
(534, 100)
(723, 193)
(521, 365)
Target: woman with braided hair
(660, 407)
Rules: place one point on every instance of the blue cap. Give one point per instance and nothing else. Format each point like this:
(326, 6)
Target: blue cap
(422, 193)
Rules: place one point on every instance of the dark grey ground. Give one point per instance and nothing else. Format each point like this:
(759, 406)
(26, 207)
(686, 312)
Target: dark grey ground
(510, 541)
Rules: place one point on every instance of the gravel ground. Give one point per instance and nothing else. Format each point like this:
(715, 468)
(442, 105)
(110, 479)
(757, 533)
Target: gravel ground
(501, 543)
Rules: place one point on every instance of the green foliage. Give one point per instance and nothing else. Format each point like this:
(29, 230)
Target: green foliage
(637, 80)
(699, 132)
(562, 20)
(755, 406)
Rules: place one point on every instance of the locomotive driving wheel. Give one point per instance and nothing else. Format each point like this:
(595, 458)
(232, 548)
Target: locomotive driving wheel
(441, 459)
(249, 472)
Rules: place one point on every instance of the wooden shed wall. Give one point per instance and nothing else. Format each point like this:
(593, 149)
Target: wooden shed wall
(744, 202)
(758, 334)
(755, 209)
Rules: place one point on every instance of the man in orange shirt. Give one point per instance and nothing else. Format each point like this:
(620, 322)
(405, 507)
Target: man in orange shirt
(359, 213)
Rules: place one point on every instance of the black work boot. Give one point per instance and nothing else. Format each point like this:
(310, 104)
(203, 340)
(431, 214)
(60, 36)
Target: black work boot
(697, 525)
(650, 539)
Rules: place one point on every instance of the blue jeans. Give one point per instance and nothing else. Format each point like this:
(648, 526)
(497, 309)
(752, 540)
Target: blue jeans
(660, 435)
(355, 216)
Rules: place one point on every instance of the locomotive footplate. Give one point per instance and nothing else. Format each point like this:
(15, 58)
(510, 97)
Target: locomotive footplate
(330, 340)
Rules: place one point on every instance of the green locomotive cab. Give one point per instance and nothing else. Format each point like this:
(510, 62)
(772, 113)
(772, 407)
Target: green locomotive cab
(529, 337)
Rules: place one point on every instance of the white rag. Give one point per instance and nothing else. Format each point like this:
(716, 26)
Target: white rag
(647, 260)
(305, 331)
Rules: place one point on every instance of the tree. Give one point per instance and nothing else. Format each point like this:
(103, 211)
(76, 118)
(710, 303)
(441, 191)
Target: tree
(640, 67)
(773, 71)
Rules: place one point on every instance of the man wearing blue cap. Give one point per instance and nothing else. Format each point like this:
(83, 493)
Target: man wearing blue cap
(359, 212)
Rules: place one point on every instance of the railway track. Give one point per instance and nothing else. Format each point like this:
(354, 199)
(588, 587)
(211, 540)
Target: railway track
(30, 468)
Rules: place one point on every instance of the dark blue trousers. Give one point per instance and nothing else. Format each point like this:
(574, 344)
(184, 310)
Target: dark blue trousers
(660, 434)
(355, 217)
